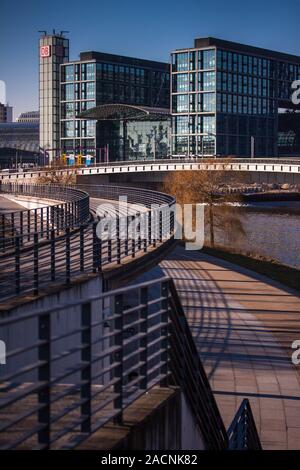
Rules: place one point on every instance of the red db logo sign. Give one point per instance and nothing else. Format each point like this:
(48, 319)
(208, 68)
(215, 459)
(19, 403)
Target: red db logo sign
(45, 51)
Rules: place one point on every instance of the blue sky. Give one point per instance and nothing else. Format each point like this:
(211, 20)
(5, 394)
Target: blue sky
(148, 29)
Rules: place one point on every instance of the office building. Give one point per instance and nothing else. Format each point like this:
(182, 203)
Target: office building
(29, 116)
(19, 144)
(228, 98)
(6, 113)
(98, 79)
(53, 51)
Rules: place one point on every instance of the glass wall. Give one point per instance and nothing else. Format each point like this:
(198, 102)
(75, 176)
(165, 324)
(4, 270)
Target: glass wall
(194, 102)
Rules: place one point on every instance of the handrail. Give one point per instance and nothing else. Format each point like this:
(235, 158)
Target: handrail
(71, 212)
(190, 375)
(65, 255)
(82, 363)
(242, 432)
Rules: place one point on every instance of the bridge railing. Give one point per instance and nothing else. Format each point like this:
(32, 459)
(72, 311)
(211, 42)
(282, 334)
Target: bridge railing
(74, 366)
(62, 257)
(25, 224)
(242, 432)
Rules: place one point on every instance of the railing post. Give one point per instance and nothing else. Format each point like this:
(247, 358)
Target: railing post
(47, 222)
(17, 264)
(118, 240)
(28, 225)
(68, 256)
(52, 255)
(21, 227)
(109, 251)
(42, 221)
(86, 376)
(164, 357)
(144, 338)
(81, 247)
(126, 251)
(149, 227)
(35, 220)
(96, 250)
(118, 356)
(35, 264)
(160, 226)
(145, 228)
(44, 355)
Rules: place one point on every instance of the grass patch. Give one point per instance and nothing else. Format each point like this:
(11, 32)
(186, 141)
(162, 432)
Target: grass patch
(271, 268)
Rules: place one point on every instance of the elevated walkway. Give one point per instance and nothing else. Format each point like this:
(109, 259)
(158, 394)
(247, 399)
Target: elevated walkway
(243, 325)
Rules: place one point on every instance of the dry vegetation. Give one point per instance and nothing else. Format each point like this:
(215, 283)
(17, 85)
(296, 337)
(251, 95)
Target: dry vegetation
(53, 177)
(203, 186)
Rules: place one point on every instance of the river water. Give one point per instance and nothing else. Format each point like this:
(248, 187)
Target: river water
(272, 229)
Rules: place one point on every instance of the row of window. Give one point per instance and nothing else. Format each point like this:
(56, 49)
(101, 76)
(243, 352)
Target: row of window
(200, 102)
(192, 60)
(193, 124)
(193, 145)
(78, 128)
(77, 91)
(245, 84)
(246, 125)
(230, 103)
(114, 72)
(72, 109)
(201, 81)
(77, 145)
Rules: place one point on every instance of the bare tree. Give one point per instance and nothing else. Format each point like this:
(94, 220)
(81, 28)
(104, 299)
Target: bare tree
(207, 186)
(56, 176)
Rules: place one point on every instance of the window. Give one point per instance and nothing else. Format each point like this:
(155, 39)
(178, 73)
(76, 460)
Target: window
(207, 81)
(69, 92)
(182, 82)
(181, 125)
(208, 126)
(208, 102)
(206, 59)
(181, 62)
(90, 90)
(181, 103)
(69, 129)
(69, 71)
(90, 71)
(68, 110)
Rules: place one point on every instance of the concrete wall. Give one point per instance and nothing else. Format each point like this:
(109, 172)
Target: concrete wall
(25, 333)
(170, 426)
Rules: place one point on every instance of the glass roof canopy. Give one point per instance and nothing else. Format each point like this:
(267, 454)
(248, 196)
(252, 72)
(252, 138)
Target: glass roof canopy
(125, 112)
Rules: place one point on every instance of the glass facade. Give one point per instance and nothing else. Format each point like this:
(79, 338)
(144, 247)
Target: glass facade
(193, 102)
(223, 97)
(86, 84)
(136, 140)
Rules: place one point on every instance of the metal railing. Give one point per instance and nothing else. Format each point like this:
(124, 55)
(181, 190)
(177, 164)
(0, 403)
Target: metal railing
(80, 364)
(22, 226)
(62, 257)
(177, 163)
(242, 432)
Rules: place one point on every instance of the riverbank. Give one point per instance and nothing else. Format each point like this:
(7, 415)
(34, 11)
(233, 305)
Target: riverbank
(262, 265)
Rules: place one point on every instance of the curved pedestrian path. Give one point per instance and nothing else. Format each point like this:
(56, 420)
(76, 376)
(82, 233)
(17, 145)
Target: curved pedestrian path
(244, 325)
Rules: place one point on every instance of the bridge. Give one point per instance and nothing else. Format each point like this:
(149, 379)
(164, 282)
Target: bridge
(258, 170)
(110, 331)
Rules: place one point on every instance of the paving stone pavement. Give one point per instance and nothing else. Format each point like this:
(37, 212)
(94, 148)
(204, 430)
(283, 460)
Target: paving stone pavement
(244, 325)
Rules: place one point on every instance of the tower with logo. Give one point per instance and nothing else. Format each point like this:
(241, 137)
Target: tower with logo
(53, 51)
